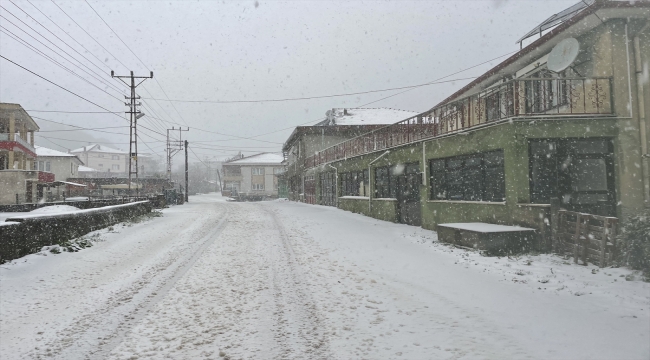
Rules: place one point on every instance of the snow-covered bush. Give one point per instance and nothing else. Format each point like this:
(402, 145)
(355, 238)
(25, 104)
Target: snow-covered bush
(635, 240)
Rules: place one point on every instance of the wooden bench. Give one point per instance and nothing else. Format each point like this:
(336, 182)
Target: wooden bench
(495, 239)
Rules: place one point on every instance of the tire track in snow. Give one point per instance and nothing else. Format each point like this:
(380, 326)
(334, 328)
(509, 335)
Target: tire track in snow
(103, 328)
(158, 295)
(297, 318)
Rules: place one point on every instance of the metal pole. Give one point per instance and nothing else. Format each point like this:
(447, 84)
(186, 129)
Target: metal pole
(186, 174)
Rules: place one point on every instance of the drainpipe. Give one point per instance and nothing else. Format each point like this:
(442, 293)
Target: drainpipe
(424, 164)
(336, 184)
(629, 77)
(642, 116)
(370, 181)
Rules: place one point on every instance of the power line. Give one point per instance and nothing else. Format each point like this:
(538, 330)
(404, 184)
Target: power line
(314, 97)
(42, 54)
(137, 57)
(55, 84)
(77, 95)
(84, 30)
(70, 36)
(44, 27)
(50, 41)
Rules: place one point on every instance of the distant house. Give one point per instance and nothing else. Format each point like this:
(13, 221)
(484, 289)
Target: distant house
(340, 124)
(62, 165)
(253, 177)
(103, 158)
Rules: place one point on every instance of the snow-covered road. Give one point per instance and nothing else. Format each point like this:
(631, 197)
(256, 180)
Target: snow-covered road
(212, 279)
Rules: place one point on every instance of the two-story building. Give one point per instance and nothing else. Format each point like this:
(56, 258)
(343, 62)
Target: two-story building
(253, 177)
(18, 178)
(104, 159)
(340, 124)
(62, 165)
(528, 130)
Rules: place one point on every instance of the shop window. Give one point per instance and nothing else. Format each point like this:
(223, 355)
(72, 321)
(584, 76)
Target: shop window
(580, 172)
(477, 177)
(354, 183)
(382, 182)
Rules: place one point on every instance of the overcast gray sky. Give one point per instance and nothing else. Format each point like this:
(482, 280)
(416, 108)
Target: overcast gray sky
(246, 50)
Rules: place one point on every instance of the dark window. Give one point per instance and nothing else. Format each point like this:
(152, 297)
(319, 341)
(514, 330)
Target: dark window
(354, 183)
(580, 172)
(382, 182)
(478, 177)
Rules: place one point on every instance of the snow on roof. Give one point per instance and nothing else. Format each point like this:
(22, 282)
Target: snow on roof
(98, 148)
(85, 168)
(263, 158)
(43, 151)
(365, 116)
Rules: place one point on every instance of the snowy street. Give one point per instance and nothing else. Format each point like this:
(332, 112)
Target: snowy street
(282, 280)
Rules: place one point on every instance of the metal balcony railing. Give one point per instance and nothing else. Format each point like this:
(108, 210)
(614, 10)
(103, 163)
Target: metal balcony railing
(529, 97)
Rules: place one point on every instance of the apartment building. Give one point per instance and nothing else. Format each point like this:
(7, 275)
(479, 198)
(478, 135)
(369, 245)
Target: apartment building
(104, 159)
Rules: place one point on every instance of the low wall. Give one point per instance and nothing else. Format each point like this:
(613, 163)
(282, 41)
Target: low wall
(27, 234)
(382, 209)
(158, 201)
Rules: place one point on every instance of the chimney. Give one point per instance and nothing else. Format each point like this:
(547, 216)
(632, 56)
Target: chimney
(345, 111)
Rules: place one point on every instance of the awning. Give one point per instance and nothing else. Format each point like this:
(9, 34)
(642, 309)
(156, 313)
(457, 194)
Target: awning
(58, 183)
(68, 183)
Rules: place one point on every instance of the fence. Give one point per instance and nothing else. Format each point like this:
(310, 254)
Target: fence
(515, 98)
(587, 237)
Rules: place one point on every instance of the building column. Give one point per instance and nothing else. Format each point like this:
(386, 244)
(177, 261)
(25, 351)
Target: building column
(10, 160)
(12, 127)
(31, 138)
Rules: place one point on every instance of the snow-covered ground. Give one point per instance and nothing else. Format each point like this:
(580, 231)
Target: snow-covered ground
(214, 279)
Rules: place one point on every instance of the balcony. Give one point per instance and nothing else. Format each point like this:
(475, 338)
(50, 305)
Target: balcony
(20, 141)
(521, 98)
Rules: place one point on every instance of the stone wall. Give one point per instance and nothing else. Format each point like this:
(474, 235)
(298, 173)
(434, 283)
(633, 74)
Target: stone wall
(27, 234)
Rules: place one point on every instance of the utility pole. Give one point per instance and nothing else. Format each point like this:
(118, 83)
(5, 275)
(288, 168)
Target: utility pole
(187, 196)
(135, 114)
(173, 147)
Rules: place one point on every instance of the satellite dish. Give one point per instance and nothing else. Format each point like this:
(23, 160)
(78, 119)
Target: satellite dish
(563, 55)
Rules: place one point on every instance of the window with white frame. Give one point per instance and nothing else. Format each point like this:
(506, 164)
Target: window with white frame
(258, 171)
(258, 187)
(277, 170)
(115, 157)
(115, 167)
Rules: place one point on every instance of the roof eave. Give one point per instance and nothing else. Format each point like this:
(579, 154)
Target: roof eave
(537, 44)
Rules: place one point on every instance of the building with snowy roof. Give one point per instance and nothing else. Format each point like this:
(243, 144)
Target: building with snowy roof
(62, 165)
(103, 158)
(339, 125)
(564, 120)
(252, 177)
